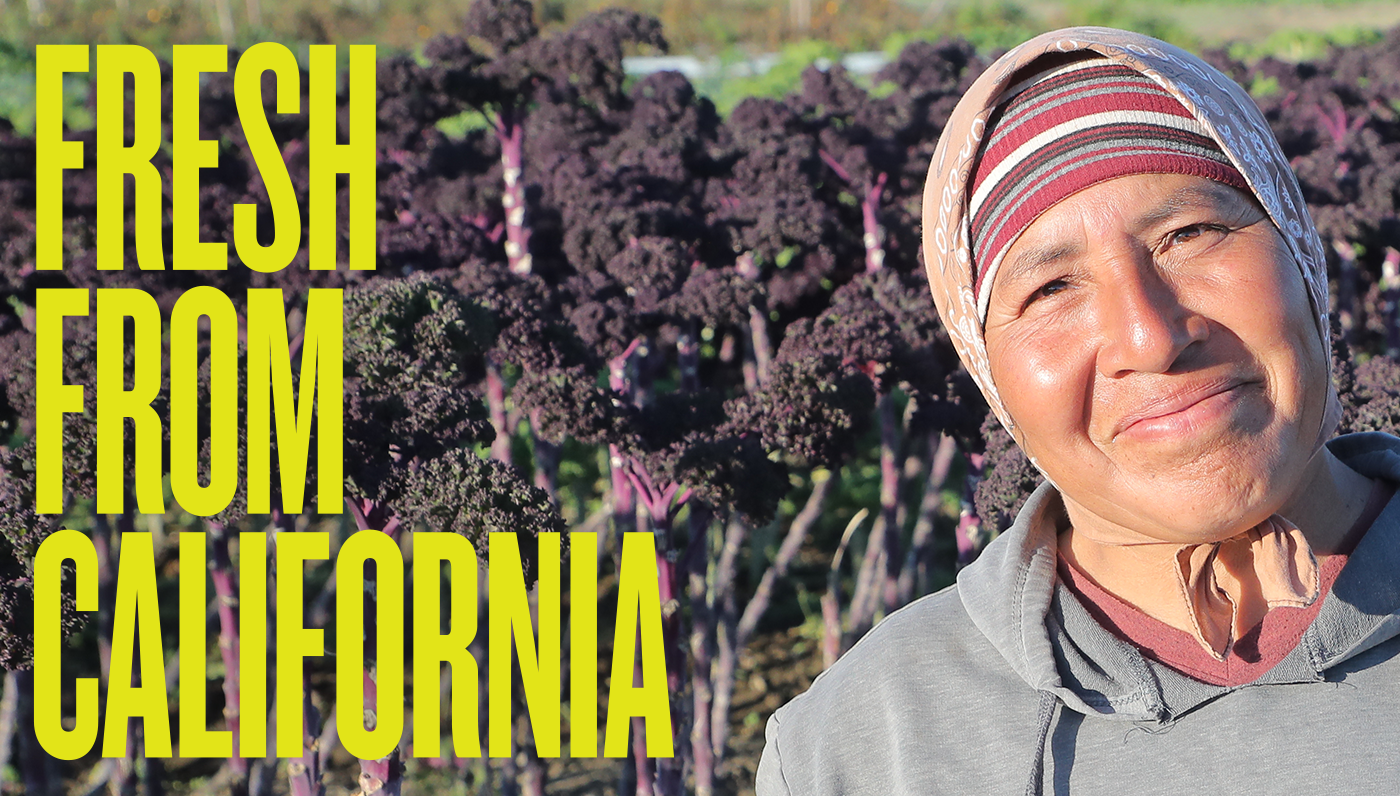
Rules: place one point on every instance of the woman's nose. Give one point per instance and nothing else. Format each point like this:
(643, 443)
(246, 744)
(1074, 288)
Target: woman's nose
(1142, 321)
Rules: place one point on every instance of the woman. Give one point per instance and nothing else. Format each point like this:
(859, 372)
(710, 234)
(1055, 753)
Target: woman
(1202, 596)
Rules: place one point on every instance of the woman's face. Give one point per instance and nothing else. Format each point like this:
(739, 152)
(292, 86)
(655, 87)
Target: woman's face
(1152, 339)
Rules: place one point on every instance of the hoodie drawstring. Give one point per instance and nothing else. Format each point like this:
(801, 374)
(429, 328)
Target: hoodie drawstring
(1049, 705)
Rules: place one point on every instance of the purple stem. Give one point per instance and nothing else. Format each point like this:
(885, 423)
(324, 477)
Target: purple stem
(702, 649)
(1348, 313)
(304, 773)
(1390, 294)
(1338, 126)
(688, 356)
(833, 639)
(670, 770)
(226, 597)
(759, 354)
(646, 767)
(624, 503)
(496, 402)
(326, 741)
(382, 777)
(106, 590)
(831, 622)
(32, 757)
(622, 371)
(969, 524)
(624, 498)
(483, 703)
(874, 236)
(890, 477)
(153, 773)
(727, 634)
(914, 576)
(510, 132)
(534, 775)
(792, 542)
(867, 590)
(547, 456)
(510, 777)
(125, 769)
(9, 717)
(662, 503)
(263, 771)
(835, 166)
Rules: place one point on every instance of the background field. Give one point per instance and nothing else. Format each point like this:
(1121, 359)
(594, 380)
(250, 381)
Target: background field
(729, 30)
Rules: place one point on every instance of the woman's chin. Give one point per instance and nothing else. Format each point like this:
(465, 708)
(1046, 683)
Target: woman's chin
(1207, 499)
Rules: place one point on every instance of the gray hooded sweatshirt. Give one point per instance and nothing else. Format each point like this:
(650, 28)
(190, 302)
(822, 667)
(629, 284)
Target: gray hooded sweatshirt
(1005, 684)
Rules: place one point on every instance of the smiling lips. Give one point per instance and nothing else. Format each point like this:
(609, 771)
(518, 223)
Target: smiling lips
(1181, 411)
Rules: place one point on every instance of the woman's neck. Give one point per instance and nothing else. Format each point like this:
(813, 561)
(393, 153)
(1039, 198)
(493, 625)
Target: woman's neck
(1326, 505)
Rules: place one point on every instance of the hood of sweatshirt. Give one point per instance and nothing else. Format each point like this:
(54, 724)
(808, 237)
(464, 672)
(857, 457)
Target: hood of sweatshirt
(1013, 596)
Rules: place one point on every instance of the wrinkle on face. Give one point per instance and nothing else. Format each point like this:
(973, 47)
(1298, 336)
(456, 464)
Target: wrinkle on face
(1130, 298)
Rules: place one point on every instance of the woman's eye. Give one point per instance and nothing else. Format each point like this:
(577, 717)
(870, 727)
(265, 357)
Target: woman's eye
(1048, 289)
(1194, 232)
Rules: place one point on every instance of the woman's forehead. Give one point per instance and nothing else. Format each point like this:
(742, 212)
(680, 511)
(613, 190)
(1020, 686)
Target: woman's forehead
(1137, 205)
(1140, 206)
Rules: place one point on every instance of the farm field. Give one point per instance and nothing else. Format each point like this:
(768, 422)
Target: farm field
(1283, 27)
(630, 304)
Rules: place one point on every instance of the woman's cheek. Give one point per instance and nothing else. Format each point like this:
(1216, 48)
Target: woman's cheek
(1044, 383)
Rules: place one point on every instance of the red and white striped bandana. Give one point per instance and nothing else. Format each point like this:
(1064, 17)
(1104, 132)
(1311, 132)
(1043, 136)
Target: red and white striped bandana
(1067, 128)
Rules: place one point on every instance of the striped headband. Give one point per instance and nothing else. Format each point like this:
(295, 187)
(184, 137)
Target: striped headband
(1065, 129)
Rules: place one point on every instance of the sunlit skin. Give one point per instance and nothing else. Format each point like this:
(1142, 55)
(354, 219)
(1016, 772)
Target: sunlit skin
(1153, 341)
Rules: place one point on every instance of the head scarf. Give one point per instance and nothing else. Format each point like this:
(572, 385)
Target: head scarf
(1066, 128)
(1280, 555)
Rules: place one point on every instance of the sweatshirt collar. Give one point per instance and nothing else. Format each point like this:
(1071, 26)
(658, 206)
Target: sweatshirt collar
(1014, 598)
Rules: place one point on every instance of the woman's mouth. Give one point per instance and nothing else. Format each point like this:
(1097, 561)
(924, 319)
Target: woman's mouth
(1181, 414)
